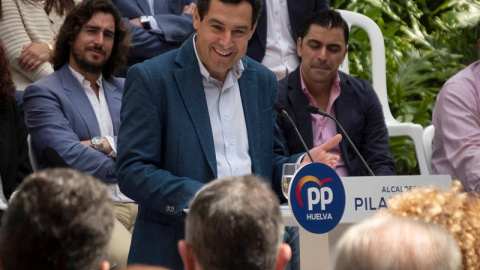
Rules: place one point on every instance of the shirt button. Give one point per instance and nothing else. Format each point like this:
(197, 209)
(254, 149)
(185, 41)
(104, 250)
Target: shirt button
(167, 208)
(172, 208)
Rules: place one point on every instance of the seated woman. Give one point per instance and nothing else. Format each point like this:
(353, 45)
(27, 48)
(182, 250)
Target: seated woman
(28, 29)
(14, 162)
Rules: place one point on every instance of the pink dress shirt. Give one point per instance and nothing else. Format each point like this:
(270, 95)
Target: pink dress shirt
(456, 146)
(324, 128)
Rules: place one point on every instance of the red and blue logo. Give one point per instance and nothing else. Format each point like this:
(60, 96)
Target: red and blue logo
(317, 198)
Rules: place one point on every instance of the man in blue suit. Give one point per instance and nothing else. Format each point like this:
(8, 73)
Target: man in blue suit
(274, 42)
(200, 112)
(322, 46)
(76, 110)
(157, 26)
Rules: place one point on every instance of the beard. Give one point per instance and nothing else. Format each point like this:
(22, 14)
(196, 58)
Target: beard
(87, 65)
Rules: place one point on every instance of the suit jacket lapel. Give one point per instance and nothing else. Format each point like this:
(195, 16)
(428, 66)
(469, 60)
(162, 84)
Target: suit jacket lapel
(189, 82)
(261, 30)
(249, 93)
(298, 102)
(114, 102)
(79, 100)
(343, 117)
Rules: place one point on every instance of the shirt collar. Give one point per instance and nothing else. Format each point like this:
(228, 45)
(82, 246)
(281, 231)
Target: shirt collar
(334, 91)
(81, 79)
(236, 70)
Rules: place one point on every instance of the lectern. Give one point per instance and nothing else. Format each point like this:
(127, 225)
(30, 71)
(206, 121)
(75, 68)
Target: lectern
(364, 196)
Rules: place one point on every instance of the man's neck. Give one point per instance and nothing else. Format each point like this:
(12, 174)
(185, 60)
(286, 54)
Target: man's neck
(321, 93)
(90, 77)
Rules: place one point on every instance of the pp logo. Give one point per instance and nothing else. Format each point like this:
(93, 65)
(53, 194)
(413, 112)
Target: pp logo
(317, 198)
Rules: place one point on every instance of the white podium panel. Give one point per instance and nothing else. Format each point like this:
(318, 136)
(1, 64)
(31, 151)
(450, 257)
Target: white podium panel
(364, 196)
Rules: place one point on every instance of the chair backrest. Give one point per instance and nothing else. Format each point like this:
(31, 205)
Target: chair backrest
(31, 154)
(379, 74)
(379, 81)
(428, 134)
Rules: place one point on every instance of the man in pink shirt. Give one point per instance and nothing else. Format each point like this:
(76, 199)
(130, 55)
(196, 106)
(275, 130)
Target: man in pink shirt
(322, 46)
(456, 117)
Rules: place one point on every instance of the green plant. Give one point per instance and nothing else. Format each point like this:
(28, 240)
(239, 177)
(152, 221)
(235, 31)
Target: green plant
(427, 42)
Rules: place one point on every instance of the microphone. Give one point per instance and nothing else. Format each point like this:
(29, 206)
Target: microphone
(315, 110)
(281, 110)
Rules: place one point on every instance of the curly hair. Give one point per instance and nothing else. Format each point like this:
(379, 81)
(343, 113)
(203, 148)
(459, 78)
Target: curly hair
(455, 210)
(7, 88)
(74, 22)
(61, 7)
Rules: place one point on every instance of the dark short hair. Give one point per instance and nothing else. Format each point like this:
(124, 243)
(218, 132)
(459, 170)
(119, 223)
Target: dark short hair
(59, 219)
(203, 5)
(74, 22)
(235, 223)
(327, 18)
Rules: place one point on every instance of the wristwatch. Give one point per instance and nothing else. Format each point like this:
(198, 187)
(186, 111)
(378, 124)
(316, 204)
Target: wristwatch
(145, 20)
(97, 143)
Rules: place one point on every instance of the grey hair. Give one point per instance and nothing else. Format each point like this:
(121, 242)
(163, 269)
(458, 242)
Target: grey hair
(397, 243)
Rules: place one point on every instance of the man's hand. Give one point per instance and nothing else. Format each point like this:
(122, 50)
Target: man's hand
(188, 9)
(33, 55)
(321, 154)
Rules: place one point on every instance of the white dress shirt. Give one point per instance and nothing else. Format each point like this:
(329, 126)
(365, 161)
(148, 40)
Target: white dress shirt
(105, 124)
(227, 120)
(281, 50)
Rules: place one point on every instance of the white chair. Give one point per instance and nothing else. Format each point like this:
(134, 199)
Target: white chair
(31, 154)
(428, 134)
(379, 77)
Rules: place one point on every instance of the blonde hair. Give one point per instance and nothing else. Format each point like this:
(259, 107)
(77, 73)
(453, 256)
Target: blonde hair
(454, 209)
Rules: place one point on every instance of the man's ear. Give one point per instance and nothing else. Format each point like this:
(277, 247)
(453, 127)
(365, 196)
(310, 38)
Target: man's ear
(284, 255)
(186, 252)
(345, 53)
(196, 19)
(299, 47)
(105, 265)
(252, 31)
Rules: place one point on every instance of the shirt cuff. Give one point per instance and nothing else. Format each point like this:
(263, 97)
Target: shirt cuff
(154, 25)
(299, 160)
(113, 144)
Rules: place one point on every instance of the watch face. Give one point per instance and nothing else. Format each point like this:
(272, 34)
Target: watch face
(97, 140)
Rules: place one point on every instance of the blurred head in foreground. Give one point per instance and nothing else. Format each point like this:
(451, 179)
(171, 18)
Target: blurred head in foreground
(234, 223)
(397, 243)
(59, 219)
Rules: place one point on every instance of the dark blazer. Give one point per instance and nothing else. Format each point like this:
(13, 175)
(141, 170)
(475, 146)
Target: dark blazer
(298, 12)
(166, 151)
(59, 115)
(358, 110)
(146, 44)
(14, 161)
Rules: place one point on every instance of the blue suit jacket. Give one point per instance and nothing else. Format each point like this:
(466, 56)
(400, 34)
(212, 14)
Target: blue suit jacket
(59, 115)
(166, 151)
(298, 12)
(146, 44)
(358, 110)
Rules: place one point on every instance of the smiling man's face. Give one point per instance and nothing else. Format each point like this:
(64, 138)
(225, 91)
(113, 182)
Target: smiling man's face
(222, 36)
